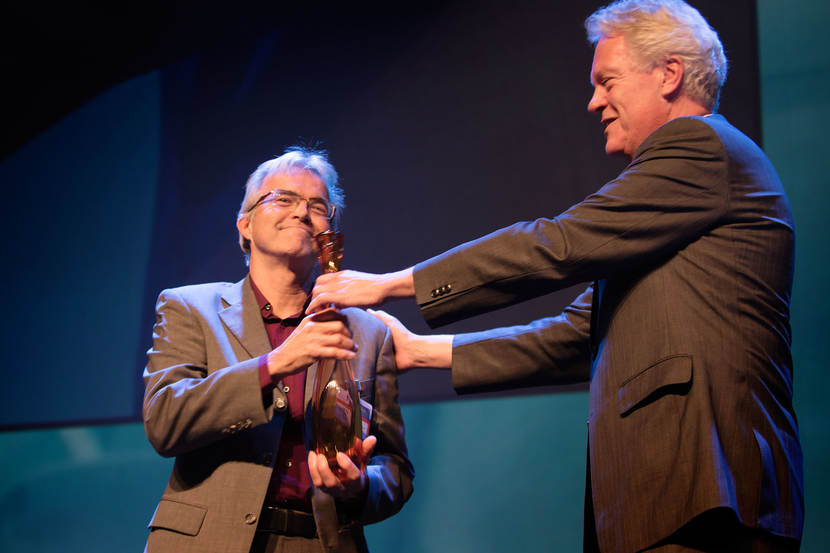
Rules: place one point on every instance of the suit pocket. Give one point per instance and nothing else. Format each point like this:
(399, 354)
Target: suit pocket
(672, 375)
(179, 517)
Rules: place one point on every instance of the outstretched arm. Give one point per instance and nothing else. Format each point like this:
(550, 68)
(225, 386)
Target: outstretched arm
(553, 350)
(414, 350)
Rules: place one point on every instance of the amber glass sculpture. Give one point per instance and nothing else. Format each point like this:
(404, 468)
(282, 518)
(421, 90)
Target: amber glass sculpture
(335, 405)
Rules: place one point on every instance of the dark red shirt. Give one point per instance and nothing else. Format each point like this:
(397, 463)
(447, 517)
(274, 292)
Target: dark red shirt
(290, 482)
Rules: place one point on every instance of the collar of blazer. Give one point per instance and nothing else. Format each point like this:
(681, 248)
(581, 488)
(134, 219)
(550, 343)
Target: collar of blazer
(243, 319)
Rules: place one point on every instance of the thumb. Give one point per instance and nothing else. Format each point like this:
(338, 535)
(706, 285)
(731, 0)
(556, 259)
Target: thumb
(369, 445)
(387, 319)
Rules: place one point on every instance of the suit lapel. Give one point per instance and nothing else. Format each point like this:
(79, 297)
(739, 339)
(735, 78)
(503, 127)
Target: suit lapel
(242, 318)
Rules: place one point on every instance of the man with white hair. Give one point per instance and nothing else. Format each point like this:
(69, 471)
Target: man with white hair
(683, 331)
(228, 385)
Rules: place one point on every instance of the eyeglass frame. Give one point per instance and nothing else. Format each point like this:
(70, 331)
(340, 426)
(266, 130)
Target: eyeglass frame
(299, 198)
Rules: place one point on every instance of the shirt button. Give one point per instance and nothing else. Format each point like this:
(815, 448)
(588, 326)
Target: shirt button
(286, 389)
(267, 307)
(289, 463)
(280, 403)
(250, 518)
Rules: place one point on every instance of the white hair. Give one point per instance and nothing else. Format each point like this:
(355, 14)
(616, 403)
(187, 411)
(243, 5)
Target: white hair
(654, 30)
(295, 158)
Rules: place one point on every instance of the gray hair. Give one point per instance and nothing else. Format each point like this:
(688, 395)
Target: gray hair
(295, 159)
(654, 30)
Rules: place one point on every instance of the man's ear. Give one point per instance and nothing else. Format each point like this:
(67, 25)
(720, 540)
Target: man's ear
(243, 225)
(673, 71)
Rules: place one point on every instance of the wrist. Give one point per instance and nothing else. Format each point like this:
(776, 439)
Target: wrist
(434, 352)
(399, 285)
(273, 364)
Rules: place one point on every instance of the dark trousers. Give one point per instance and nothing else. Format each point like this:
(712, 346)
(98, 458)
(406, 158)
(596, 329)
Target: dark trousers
(266, 542)
(719, 531)
(715, 531)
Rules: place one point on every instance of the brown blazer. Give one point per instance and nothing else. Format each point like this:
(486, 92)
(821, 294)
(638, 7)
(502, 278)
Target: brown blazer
(684, 332)
(203, 404)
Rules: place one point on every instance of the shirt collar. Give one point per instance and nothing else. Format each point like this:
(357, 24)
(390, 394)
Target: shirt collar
(267, 311)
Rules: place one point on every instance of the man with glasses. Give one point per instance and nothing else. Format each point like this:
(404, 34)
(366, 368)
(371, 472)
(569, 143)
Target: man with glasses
(228, 384)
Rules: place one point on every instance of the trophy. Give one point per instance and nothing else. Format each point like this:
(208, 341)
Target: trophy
(335, 403)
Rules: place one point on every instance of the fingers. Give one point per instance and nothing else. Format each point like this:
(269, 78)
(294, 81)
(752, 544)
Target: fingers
(368, 446)
(387, 319)
(316, 479)
(329, 338)
(321, 297)
(327, 329)
(347, 467)
(328, 314)
(346, 288)
(321, 475)
(322, 300)
(348, 481)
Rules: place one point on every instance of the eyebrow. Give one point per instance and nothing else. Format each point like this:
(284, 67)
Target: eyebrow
(300, 195)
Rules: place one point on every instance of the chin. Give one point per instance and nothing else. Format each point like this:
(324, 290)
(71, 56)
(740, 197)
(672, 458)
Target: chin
(612, 150)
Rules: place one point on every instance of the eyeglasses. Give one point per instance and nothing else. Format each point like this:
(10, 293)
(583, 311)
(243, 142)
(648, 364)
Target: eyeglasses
(285, 199)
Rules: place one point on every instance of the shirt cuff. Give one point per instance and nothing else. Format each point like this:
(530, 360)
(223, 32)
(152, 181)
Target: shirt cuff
(265, 381)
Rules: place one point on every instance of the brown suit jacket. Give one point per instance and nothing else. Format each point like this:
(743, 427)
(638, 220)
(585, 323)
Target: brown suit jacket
(684, 332)
(203, 404)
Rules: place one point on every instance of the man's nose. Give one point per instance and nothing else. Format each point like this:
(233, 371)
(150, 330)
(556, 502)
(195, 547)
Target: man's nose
(597, 102)
(301, 209)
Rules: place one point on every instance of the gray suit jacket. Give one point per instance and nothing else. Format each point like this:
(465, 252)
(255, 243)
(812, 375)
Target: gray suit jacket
(203, 404)
(684, 332)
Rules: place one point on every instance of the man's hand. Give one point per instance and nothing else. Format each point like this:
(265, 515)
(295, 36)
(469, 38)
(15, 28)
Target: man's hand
(414, 350)
(350, 480)
(323, 335)
(356, 289)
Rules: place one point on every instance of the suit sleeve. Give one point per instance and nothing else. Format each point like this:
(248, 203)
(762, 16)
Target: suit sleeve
(389, 469)
(671, 193)
(553, 350)
(186, 406)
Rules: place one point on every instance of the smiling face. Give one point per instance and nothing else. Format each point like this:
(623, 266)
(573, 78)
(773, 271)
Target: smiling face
(285, 234)
(629, 101)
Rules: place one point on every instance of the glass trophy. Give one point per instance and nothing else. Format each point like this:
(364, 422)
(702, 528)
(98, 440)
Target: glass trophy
(335, 404)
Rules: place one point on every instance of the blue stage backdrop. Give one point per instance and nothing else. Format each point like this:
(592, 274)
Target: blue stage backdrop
(445, 122)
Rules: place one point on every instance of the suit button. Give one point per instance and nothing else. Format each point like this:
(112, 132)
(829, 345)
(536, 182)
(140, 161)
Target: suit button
(280, 403)
(250, 518)
(267, 458)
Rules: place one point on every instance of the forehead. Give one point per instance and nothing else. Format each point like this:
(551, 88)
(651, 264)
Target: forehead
(610, 58)
(303, 182)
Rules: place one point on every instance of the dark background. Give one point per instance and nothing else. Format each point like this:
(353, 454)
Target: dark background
(445, 120)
